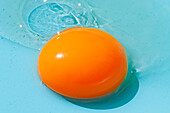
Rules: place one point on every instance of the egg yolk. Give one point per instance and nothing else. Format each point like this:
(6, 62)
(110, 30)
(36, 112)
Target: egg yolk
(83, 63)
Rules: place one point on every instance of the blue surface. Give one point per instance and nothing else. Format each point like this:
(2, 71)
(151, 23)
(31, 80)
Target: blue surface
(143, 27)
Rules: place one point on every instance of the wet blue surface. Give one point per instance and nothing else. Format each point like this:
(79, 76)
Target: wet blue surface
(143, 27)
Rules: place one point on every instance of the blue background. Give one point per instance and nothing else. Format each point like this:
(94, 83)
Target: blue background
(143, 27)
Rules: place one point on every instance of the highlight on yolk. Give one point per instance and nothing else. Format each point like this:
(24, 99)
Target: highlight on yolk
(83, 63)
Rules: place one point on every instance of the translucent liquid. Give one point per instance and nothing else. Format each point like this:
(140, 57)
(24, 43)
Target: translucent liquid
(35, 22)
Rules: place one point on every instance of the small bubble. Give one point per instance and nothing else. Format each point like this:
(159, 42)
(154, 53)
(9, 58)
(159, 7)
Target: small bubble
(137, 70)
(79, 4)
(20, 26)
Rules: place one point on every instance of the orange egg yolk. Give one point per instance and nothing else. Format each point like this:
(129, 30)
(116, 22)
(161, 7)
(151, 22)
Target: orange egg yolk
(83, 63)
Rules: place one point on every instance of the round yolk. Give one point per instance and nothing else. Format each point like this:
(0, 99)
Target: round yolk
(83, 63)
